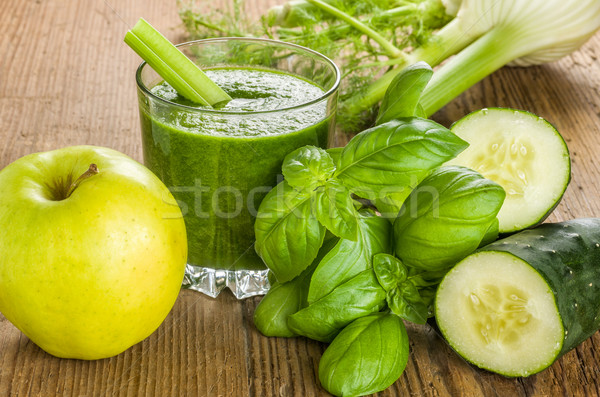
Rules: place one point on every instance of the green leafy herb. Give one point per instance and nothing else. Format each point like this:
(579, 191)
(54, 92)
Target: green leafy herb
(323, 319)
(403, 94)
(389, 271)
(335, 153)
(405, 301)
(491, 234)
(288, 235)
(402, 294)
(335, 210)
(366, 357)
(307, 167)
(349, 258)
(446, 218)
(386, 162)
(203, 20)
(283, 299)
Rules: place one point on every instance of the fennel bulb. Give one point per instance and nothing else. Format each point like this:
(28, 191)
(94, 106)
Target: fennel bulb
(373, 40)
(486, 35)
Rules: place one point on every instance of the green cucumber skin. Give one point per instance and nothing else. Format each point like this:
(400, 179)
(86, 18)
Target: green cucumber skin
(567, 256)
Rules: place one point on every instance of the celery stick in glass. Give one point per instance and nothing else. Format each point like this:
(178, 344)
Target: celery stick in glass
(173, 66)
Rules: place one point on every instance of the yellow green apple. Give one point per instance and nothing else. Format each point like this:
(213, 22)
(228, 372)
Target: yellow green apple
(92, 251)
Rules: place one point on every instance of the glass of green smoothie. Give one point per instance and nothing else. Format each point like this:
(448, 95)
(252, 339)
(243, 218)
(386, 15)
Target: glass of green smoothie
(220, 162)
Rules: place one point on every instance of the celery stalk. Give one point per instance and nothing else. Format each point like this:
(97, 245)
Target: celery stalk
(173, 66)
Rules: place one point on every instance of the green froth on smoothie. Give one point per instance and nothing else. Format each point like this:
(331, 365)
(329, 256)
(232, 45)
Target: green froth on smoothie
(252, 90)
(220, 166)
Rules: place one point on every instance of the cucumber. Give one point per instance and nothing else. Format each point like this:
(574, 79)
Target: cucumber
(516, 305)
(521, 152)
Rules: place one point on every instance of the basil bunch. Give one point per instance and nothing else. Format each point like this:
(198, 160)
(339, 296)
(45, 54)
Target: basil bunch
(322, 295)
(351, 290)
(316, 196)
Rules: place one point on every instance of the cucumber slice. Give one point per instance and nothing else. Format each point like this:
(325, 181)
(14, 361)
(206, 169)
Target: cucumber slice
(499, 313)
(521, 152)
(516, 305)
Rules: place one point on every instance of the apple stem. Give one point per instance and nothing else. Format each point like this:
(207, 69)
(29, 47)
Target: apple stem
(93, 170)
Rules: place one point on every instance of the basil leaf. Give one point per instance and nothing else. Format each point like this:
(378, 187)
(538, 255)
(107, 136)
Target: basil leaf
(366, 357)
(491, 234)
(288, 235)
(283, 299)
(390, 202)
(389, 160)
(404, 92)
(446, 218)
(390, 271)
(402, 295)
(348, 258)
(428, 297)
(335, 153)
(420, 112)
(335, 210)
(406, 302)
(423, 279)
(307, 167)
(323, 319)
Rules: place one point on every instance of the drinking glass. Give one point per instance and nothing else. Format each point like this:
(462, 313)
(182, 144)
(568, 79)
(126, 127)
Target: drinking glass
(220, 164)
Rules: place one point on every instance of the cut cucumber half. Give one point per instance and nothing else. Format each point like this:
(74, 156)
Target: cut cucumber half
(521, 152)
(516, 305)
(499, 313)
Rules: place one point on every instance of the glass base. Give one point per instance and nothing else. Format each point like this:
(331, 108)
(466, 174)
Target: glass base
(243, 283)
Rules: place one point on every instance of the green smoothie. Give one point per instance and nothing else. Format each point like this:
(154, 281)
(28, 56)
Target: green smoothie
(220, 164)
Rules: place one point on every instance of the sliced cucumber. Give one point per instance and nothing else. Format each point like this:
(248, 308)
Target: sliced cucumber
(496, 322)
(516, 305)
(521, 152)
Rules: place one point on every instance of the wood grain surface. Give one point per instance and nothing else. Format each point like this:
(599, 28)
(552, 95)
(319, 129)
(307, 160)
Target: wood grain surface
(66, 78)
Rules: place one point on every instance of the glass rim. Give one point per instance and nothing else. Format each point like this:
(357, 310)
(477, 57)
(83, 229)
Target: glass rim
(326, 94)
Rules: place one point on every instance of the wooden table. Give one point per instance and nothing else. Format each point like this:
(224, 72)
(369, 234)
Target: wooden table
(66, 78)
